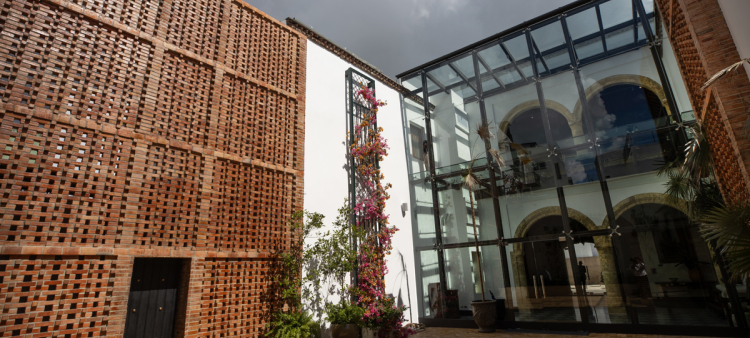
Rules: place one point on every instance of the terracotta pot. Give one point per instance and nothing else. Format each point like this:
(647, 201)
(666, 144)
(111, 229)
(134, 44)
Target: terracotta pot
(344, 331)
(485, 314)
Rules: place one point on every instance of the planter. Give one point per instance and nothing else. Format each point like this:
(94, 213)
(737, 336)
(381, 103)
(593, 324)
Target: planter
(344, 331)
(485, 314)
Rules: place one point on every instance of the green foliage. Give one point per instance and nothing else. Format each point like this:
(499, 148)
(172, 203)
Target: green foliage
(333, 255)
(727, 227)
(690, 177)
(287, 273)
(344, 313)
(293, 325)
(691, 181)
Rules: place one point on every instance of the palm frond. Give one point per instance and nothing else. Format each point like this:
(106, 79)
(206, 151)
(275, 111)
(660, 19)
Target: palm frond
(727, 227)
(697, 155)
(484, 131)
(496, 156)
(470, 181)
(720, 74)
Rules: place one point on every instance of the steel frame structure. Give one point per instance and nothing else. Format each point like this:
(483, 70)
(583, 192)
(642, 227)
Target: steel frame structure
(532, 69)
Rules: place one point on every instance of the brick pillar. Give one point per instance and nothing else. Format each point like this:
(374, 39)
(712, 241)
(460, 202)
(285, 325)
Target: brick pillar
(703, 46)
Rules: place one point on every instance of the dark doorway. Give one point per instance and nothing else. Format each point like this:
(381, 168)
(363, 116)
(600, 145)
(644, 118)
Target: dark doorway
(152, 302)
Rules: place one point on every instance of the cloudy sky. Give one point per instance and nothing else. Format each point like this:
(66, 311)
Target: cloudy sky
(397, 35)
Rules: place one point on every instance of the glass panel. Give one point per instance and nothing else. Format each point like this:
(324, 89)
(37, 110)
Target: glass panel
(615, 12)
(489, 84)
(509, 75)
(494, 56)
(595, 258)
(667, 269)
(548, 36)
(516, 120)
(518, 47)
(431, 86)
(422, 211)
(589, 48)
(561, 99)
(583, 24)
(429, 279)
(580, 166)
(465, 66)
(527, 69)
(456, 211)
(629, 116)
(421, 208)
(619, 38)
(454, 130)
(641, 33)
(412, 83)
(649, 5)
(463, 281)
(444, 76)
(597, 272)
(543, 290)
(675, 78)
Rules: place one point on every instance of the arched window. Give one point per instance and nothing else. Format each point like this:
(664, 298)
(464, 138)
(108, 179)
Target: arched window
(632, 129)
(527, 129)
(663, 256)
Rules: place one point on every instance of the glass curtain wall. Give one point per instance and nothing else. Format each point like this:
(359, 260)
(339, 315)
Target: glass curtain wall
(572, 221)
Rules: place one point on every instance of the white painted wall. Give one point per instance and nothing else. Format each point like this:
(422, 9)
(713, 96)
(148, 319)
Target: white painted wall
(735, 12)
(326, 184)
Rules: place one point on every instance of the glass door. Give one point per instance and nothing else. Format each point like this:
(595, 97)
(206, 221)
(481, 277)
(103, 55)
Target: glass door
(545, 288)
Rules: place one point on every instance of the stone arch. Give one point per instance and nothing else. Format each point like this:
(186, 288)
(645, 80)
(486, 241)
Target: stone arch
(574, 121)
(623, 79)
(602, 244)
(535, 216)
(645, 198)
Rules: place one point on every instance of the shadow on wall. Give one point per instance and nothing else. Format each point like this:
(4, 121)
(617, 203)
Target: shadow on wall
(400, 276)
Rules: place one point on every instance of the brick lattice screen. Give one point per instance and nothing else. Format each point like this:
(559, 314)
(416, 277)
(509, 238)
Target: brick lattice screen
(703, 46)
(145, 128)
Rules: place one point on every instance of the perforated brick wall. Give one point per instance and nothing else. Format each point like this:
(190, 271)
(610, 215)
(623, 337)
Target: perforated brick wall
(703, 46)
(144, 128)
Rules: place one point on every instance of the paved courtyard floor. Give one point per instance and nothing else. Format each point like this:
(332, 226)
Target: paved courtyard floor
(440, 332)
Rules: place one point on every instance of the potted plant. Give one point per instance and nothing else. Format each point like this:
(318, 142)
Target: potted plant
(345, 318)
(388, 323)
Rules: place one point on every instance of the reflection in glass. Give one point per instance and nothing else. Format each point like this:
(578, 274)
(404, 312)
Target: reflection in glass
(550, 42)
(615, 12)
(544, 291)
(667, 269)
(462, 276)
(429, 278)
(455, 209)
(583, 24)
(632, 131)
(518, 47)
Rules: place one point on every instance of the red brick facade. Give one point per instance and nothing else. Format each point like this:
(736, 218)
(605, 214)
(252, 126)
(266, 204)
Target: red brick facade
(703, 46)
(144, 128)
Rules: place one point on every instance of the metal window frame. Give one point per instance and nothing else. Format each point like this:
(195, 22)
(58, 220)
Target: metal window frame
(475, 83)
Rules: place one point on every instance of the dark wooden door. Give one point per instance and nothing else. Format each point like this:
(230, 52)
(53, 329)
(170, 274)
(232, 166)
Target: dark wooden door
(153, 298)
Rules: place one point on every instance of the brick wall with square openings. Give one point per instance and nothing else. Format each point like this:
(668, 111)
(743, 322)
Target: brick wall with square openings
(144, 128)
(703, 46)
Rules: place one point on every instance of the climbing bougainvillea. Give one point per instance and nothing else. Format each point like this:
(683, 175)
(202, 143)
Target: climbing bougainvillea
(368, 148)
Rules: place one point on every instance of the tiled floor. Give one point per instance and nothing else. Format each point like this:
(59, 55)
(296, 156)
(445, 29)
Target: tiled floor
(439, 332)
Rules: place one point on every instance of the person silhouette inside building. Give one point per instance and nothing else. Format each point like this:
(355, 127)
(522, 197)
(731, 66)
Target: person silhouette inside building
(582, 273)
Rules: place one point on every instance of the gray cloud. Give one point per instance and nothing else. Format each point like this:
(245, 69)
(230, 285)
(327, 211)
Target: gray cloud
(397, 35)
